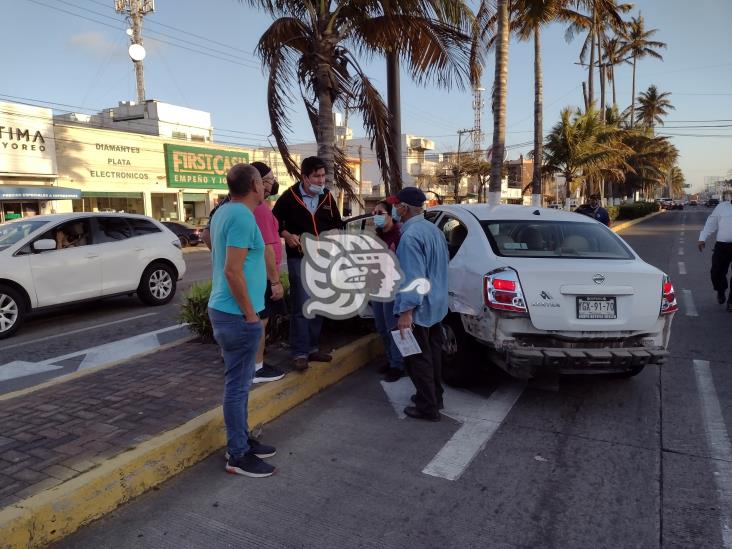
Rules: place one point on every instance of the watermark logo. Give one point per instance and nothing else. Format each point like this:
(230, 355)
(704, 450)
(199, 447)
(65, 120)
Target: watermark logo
(342, 272)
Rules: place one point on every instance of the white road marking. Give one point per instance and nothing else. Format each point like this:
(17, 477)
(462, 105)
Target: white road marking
(718, 441)
(681, 251)
(80, 330)
(480, 417)
(682, 268)
(100, 355)
(20, 368)
(689, 306)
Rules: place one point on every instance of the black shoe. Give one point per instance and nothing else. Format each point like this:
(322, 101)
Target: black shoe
(413, 398)
(721, 297)
(318, 356)
(258, 449)
(384, 368)
(267, 373)
(249, 465)
(393, 374)
(412, 411)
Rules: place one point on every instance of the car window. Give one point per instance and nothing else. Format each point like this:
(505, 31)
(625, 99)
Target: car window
(455, 233)
(565, 239)
(432, 215)
(112, 229)
(142, 227)
(12, 232)
(362, 225)
(70, 234)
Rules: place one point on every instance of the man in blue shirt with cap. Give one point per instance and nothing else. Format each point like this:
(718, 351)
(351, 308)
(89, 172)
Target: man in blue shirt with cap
(422, 253)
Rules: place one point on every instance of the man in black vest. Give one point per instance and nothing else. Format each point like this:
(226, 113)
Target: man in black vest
(306, 207)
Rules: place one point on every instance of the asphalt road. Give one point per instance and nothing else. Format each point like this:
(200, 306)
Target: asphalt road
(585, 463)
(77, 327)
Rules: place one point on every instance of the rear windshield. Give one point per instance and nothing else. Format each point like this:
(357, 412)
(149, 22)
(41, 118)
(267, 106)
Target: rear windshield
(554, 239)
(13, 231)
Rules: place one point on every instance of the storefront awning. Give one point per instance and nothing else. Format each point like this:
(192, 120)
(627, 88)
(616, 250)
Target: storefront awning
(97, 194)
(38, 193)
(194, 197)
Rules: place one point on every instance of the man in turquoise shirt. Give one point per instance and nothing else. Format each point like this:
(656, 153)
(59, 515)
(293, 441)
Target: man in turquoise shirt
(237, 293)
(422, 253)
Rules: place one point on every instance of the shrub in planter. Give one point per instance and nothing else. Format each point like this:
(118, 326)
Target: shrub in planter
(636, 210)
(194, 311)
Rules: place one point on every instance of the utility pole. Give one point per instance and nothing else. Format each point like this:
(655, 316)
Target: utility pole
(477, 111)
(135, 10)
(456, 171)
(395, 109)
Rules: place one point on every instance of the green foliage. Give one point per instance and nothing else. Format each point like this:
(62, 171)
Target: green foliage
(194, 310)
(635, 210)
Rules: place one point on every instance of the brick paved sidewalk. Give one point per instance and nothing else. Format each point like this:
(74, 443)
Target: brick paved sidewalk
(56, 433)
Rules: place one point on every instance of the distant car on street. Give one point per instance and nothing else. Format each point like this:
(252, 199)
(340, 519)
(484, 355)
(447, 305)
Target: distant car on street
(48, 261)
(187, 233)
(693, 203)
(712, 203)
(198, 222)
(542, 290)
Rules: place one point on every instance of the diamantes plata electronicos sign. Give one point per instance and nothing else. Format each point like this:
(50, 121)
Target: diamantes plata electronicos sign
(199, 167)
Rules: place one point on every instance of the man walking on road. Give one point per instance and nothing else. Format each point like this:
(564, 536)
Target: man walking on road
(422, 253)
(720, 222)
(237, 293)
(307, 207)
(595, 210)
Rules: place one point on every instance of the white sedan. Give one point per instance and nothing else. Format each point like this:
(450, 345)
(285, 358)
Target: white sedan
(547, 290)
(52, 260)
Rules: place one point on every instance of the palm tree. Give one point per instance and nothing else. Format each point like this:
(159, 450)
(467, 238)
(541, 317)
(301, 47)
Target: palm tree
(638, 44)
(584, 150)
(500, 91)
(650, 161)
(529, 17)
(614, 56)
(652, 107)
(311, 47)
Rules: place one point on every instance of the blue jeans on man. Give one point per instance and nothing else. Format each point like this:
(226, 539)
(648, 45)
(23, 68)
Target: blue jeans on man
(386, 322)
(304, 332)
(238, 340)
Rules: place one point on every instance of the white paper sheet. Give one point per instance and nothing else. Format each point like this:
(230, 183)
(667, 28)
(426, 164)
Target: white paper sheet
(407, 346)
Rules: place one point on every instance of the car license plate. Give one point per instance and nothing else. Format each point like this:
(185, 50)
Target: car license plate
(596, 307)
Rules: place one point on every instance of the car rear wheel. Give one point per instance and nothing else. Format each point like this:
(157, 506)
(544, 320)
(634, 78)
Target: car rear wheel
(12, 311)
(183, 241)
(455, 352)
(157, 285)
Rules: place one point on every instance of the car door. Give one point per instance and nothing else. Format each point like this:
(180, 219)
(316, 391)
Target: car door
(465, 270)
(71, 272)
(120, 252)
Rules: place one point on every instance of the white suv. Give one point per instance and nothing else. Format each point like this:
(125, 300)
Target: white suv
(52, 260)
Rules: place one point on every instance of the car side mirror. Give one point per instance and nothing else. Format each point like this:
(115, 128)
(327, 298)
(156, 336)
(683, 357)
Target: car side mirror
(44, 245)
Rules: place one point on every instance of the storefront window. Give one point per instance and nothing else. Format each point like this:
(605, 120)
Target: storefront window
(165, 206)
(15, 210)
(123, 204)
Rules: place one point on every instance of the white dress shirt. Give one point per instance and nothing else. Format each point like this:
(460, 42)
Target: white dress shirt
(720, 222)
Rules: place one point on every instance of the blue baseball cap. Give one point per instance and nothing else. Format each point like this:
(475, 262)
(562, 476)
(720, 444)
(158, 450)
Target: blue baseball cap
(409, 195)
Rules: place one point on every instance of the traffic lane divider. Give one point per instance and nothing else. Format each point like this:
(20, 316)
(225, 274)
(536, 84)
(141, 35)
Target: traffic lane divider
(57, 512)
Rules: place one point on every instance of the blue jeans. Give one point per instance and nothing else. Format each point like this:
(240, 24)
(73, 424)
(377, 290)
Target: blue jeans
(238, 340)
(304, 332)
(386, 322)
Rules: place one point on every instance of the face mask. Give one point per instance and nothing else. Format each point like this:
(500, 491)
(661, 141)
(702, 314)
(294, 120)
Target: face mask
(380, 220)
(395, 215)
(275, 188)
(317, 189)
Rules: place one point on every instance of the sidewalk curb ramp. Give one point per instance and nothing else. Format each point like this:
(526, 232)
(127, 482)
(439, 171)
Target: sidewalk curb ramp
(57, 512)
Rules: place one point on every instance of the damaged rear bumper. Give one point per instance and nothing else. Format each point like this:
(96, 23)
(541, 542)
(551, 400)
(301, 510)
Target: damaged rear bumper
(528, 362)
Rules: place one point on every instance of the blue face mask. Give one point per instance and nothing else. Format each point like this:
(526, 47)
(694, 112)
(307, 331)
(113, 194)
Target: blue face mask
(395, 215)
(317, 189)
(380, 220)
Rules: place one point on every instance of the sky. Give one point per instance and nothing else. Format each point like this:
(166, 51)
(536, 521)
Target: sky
(72, 55)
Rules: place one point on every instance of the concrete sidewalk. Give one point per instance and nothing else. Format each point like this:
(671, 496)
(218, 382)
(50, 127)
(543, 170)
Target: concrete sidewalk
(76, 449)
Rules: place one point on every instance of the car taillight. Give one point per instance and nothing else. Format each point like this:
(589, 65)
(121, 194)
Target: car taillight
(502, 291)
(668, 297)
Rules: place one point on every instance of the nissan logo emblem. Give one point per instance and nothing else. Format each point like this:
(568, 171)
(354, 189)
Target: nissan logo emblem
(598, 279)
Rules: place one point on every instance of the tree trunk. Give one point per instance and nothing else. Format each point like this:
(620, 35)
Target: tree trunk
(500, 85)
(591, 71)
(615, 102)
(632, 104)
(394, 184)
(326, 128)
(536, 194)
(602, 76)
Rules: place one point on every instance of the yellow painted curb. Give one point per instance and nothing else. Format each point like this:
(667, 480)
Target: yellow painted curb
(626, 224)
(59, 511)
